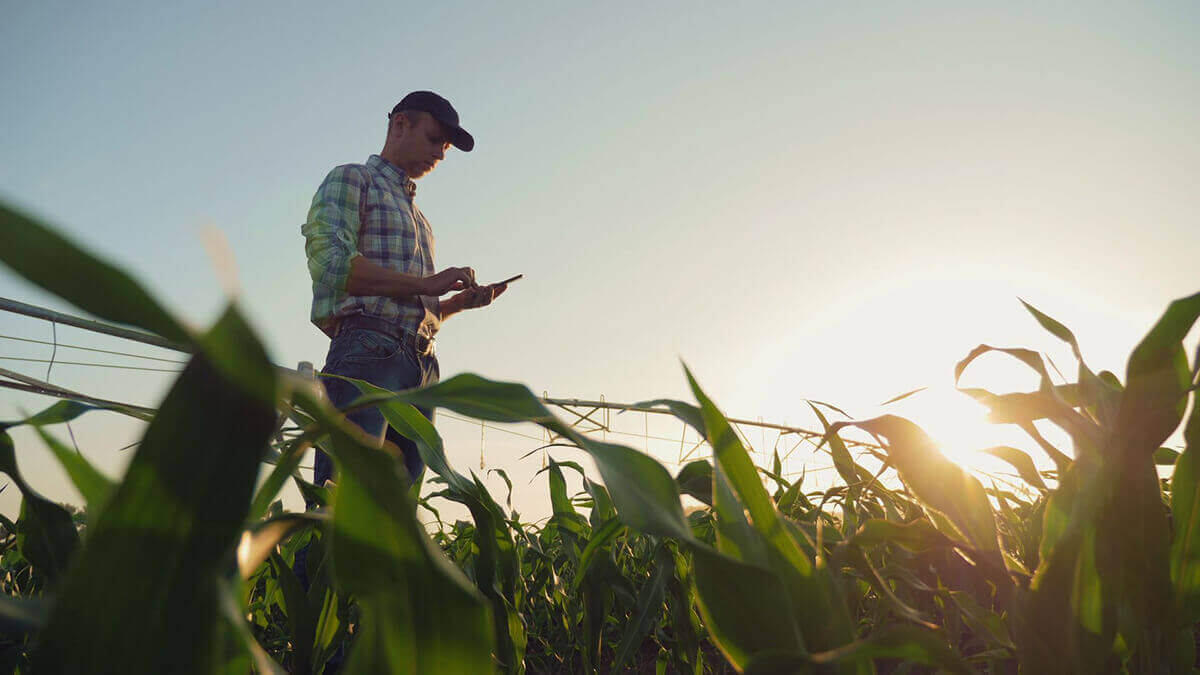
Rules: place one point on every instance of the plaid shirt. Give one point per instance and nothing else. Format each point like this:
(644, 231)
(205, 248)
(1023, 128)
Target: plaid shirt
(367, 209)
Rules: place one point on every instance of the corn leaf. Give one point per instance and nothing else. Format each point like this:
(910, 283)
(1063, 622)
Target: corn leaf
(40, 255)
(419, 612)
(166, 529)
(1157, 379)
(45, 531)
(1185, 512)
(93, 485)
(1020, 461)
(646, 497)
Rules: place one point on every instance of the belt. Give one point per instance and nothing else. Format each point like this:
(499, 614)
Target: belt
(421, 344)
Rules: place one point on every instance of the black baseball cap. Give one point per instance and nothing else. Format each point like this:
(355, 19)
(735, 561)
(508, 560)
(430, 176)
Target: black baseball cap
(442, 111)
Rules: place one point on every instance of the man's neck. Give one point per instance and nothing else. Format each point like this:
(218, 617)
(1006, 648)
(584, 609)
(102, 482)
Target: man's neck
(393, 160)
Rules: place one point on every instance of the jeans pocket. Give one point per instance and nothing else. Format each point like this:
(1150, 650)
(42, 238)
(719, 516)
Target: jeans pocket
(369, 345)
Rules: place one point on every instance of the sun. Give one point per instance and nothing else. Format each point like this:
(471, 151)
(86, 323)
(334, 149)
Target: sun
(959, 425)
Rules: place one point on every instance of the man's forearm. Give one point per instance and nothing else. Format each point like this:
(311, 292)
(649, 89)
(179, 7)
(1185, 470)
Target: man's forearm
(368, 278)
(451, 306)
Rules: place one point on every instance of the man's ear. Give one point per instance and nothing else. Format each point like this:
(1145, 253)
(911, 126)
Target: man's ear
(399, 125)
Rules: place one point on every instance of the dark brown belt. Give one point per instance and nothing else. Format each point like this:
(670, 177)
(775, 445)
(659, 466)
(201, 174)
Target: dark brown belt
(421, 344)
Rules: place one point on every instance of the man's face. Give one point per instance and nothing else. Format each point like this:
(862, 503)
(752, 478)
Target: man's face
(422, 144)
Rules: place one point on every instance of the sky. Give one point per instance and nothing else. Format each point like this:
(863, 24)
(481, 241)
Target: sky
(797, 200)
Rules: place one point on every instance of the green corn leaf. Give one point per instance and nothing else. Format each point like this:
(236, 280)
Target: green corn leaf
(686, 412)
(259, 542)
(560, 503)
(497, 567)
(166, 529)
(1157, 380)
(419, 612)
(943, 488)
(918, 535)
(734, 463)
(598, 542)
(602, 506)
(596, 599)
(983, 621)
(858, 560)
(1166, 456)
(300, 616)
(646, 497)
(1064, 619)
(93, 485)
(67, 411)
(1185, 512)
(46, 534)
(246, 651)
(330, 604)
(793, 498)
(842, 461)
(507, 482)
(908, 644)
(1096, 394)
(40, 255)
(1020, 461)
(696, 479)
(285, 465)
(1055, 328)
(738, 628)
(1062, 462)
(820, 610)
(735, 536)
(645, 613)
(1050, 402)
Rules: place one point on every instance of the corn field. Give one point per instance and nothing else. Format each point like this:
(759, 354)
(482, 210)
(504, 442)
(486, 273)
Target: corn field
(907, 564)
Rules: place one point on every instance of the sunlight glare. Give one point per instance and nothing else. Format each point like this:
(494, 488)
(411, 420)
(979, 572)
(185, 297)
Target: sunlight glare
(958, 424)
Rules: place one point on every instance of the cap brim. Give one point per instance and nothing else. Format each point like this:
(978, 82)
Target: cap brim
(461, 139)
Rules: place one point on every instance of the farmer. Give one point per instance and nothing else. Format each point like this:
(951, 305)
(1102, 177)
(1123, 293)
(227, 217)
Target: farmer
(376, 292)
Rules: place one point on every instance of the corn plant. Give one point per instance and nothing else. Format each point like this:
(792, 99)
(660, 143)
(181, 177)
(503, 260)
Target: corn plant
(908, 563)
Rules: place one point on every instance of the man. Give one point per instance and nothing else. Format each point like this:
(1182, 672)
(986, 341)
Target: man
(370, 251)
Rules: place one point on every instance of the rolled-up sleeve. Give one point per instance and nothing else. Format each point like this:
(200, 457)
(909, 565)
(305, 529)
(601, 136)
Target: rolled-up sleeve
(331, 233)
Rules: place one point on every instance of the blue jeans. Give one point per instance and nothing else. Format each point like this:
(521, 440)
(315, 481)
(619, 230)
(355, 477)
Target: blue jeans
(386, 362)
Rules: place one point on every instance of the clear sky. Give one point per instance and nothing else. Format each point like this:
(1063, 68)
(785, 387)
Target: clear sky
(833, 201)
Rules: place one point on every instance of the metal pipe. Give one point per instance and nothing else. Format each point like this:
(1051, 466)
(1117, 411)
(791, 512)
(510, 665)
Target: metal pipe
(9, 305)
(36, 386)
(800, 431)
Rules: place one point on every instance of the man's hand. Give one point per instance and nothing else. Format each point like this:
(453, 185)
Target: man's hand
(471, 298)
(481, 296)
(449, 279)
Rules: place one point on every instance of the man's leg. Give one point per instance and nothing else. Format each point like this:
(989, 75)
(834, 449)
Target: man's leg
(381, 360)
(428, 370)
(375, 358)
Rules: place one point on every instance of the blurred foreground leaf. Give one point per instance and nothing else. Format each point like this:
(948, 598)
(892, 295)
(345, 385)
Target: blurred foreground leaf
(142, 597)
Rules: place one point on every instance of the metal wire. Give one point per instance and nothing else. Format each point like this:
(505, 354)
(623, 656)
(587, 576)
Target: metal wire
(85, 363)
(90, 349)
(54, 353)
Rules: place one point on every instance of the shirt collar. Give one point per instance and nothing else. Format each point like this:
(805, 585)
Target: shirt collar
(394, 174)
